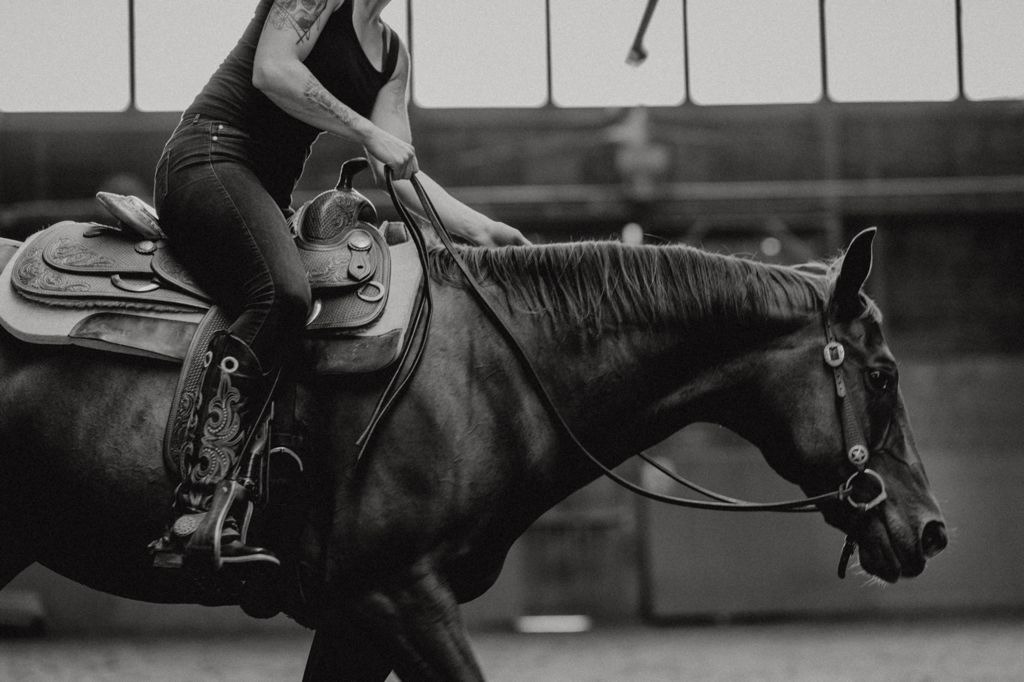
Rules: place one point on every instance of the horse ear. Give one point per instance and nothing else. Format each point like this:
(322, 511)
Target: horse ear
(853, 273)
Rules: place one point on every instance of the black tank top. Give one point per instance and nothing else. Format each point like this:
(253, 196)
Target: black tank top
(338, 62)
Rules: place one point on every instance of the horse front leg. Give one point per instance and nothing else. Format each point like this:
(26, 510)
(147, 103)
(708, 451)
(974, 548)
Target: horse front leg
(417, 623)
(344, 651)
(17, 552)
(14, 558)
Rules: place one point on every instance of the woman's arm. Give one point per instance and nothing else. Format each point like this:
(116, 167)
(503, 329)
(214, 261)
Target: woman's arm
(391, 113)
(290, 32)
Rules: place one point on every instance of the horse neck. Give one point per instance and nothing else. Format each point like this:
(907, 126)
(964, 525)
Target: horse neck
(662, 326)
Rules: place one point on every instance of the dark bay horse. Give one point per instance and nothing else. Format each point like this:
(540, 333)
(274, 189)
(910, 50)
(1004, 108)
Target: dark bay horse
(634, 343)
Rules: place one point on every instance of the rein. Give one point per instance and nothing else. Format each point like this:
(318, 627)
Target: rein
(834, 355)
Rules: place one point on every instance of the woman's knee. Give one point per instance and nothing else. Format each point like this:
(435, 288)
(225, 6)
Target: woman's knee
(291, 301)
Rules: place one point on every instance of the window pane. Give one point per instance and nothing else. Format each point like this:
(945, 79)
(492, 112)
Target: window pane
(589, 48)
(64, 56)
(993, 49)
(179, 44)
(396, 16)
(479, 53)
(882, 50)
(754, 51)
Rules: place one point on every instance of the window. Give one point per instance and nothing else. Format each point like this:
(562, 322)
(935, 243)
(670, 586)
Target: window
(395, 15)
(754, 51)
(179, 44)
(589, 43)
(75, 56)
(993, 49)
(479, 53)
(67, 56)
(882, 50)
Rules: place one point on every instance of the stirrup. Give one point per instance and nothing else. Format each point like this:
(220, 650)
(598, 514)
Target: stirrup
(206, 541)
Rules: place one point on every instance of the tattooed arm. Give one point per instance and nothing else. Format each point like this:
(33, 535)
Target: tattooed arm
(291, 30)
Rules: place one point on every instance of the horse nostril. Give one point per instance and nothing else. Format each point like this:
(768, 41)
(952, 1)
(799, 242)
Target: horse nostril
(933, 538)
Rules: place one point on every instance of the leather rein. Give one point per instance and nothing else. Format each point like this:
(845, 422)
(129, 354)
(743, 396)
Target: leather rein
(834, 355)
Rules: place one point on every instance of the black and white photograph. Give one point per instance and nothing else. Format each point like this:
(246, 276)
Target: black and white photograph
(545, 340)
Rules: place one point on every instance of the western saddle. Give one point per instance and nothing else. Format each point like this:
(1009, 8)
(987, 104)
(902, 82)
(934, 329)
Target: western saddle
(120, 289)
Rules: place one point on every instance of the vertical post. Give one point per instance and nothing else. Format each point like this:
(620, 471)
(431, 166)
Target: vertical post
(823, 55)
(686, 53)
(547, 51)
(960, 50)
(831, 146)
(131, 56)
(408, 40)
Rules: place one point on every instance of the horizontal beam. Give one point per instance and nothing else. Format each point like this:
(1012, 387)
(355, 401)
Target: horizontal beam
(671, 203)
(694, 200)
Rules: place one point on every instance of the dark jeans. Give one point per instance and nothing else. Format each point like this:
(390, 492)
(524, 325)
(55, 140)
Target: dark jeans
(225, 226)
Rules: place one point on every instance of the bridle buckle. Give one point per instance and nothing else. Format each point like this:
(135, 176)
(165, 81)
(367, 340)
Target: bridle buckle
(834, 354)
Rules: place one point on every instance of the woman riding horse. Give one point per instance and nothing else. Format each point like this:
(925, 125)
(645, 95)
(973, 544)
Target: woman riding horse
(223, 187)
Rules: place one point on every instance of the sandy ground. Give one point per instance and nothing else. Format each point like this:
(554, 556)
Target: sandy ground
(833, 650)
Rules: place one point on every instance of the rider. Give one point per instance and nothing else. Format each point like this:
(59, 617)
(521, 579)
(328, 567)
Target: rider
(222, 189)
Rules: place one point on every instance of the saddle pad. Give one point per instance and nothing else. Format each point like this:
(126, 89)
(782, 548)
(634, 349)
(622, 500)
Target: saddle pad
(165, 335)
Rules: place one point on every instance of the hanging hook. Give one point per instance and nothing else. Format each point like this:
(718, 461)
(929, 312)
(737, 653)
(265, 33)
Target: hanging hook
(637, 53)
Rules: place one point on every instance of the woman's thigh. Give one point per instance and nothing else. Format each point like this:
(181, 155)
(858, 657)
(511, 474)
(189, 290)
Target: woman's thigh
(234, 239)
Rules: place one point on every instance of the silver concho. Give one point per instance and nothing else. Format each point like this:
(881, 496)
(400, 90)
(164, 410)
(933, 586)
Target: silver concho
(834, 354)
(858, 455)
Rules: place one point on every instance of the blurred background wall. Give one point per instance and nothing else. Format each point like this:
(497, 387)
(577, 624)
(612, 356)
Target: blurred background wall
(782, 182)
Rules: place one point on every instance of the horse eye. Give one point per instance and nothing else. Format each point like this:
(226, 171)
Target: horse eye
(879, 381)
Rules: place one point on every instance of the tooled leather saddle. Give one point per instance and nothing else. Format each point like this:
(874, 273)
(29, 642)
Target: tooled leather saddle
(121, 289)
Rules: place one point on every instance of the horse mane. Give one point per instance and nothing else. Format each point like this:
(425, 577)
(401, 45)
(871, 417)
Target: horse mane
(597, 284)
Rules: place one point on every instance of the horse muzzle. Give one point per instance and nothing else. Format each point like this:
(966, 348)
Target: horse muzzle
(887, 551)
(933, 538)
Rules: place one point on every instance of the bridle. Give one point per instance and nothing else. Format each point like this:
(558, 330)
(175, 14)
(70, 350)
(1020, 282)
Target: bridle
(853, 439)
(834, 353)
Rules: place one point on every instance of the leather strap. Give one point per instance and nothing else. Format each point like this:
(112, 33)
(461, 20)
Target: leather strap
(721, 503)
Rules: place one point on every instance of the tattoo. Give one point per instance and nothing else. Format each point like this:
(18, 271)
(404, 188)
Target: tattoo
(317, 95)
(300, 15)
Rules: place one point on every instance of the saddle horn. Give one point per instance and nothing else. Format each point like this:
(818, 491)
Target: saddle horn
(349, 170)
(327, 217)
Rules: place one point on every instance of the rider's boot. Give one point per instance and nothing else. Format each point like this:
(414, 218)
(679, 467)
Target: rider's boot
(228, 434)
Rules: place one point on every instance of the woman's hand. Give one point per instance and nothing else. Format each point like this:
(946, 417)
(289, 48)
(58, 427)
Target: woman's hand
(399, 155)
(496, 233)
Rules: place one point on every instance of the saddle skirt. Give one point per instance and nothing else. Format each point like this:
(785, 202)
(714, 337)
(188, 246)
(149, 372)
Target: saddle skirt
(107, 288)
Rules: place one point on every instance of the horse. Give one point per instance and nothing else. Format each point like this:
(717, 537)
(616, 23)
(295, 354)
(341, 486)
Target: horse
(633, 344)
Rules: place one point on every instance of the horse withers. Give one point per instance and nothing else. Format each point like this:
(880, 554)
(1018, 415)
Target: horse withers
(633, 344)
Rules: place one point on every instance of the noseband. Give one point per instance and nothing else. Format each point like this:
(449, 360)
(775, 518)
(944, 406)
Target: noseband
(856, 448)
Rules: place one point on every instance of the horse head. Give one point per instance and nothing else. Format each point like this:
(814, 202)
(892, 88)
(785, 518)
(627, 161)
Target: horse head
(800, 425)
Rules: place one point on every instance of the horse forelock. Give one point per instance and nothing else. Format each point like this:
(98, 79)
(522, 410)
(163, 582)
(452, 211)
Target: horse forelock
(597, 285)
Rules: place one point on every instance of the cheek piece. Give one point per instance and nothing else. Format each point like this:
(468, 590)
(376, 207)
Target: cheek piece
(864, 489)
